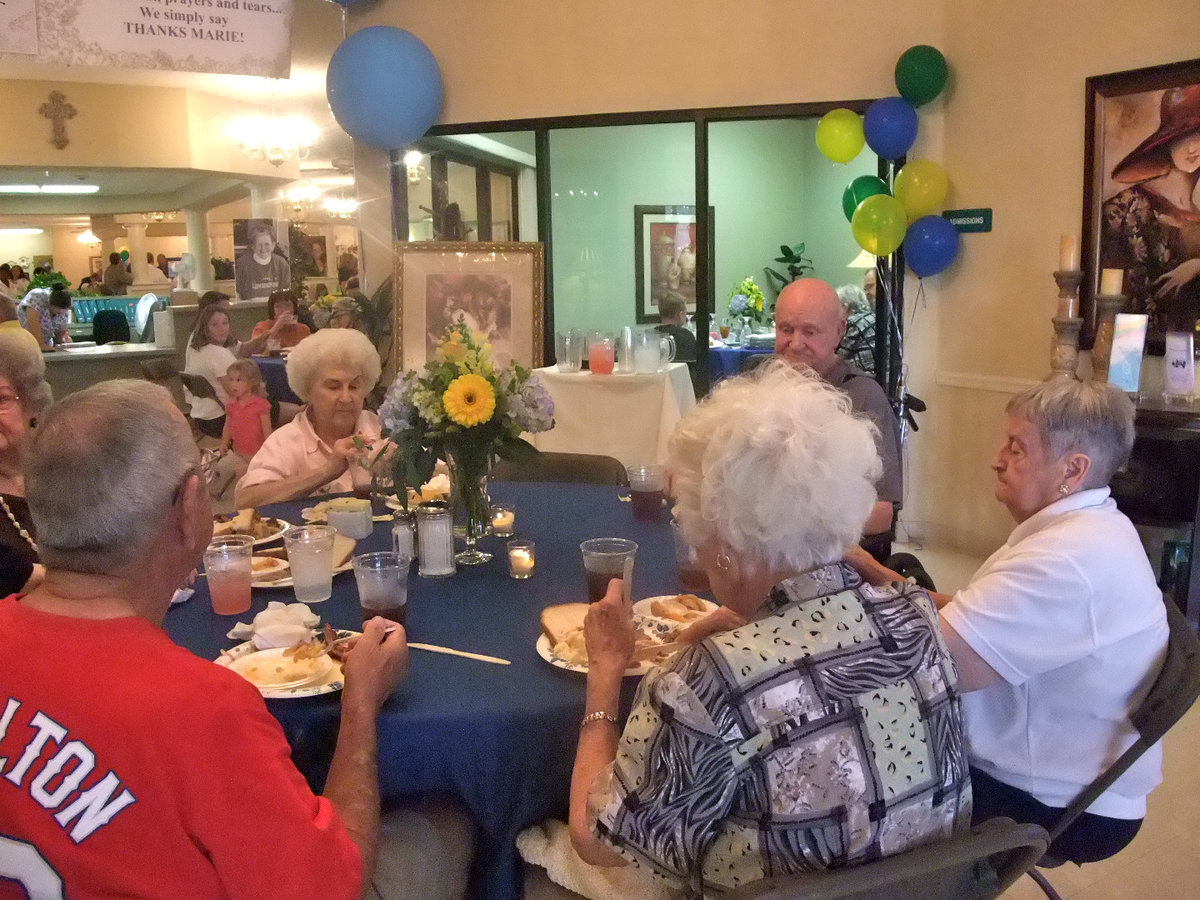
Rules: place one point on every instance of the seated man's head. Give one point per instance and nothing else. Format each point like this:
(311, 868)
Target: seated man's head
(672, 310)
(787, 429)
(136, 487)
(809, 325)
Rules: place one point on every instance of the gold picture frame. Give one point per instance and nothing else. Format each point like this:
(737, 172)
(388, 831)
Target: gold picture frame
(495, 288)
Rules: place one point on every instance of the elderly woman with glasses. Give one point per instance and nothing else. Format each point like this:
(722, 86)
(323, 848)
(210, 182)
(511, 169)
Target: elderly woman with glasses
(1062, 631)
(326, 447)
(24, 395)
(822, 728)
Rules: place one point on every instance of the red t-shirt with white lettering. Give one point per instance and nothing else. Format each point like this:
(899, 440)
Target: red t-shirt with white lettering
(130, 767)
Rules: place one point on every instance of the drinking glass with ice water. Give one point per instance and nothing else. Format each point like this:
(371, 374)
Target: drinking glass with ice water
(310, 554)
(227, 568)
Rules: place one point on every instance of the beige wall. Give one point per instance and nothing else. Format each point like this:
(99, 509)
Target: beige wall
(1009, 133)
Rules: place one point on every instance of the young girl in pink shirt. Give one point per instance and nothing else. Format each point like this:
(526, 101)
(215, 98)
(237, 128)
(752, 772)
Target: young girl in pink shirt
(247, 413)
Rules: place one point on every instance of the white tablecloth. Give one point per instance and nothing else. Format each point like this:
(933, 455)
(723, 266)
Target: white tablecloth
(629, 417)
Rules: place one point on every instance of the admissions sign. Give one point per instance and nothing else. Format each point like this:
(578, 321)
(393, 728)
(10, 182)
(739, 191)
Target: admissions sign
(235, 37)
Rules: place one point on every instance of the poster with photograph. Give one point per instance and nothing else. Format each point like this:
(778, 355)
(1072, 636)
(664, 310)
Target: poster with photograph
(260, 261)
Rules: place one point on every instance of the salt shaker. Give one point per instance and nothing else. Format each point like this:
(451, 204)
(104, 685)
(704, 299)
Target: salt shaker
(402, 534)
(435, 540)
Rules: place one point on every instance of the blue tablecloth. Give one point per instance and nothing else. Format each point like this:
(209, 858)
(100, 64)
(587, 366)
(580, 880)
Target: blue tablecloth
(726, 361)
(274, 372)
(500, 738)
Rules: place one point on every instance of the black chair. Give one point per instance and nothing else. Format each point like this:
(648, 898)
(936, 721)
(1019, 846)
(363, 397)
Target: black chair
(580, 468)
(110, 325)
(980, 863)
(1173, 693)
(910, 567)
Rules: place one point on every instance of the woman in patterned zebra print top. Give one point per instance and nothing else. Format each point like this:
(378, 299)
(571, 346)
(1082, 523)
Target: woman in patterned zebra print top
(815, 722)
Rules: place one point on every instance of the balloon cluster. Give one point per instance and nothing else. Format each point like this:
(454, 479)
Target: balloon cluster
(883, 216)
(384, 86)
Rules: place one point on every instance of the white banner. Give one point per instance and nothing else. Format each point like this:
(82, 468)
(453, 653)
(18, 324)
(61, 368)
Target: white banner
(236, 37)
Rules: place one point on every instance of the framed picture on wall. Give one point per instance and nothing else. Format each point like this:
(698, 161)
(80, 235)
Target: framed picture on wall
(1141, 207)
(96, 266)
(664, 257)
(495, 288)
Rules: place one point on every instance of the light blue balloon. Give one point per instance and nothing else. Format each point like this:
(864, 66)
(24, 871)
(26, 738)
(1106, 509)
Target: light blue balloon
(347, 3)
(384, 87)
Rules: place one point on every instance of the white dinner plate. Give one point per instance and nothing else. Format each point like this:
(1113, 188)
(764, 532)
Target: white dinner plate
(665, 629)
(286, 582)
(328, 682)
(546, 652)
(281, 526)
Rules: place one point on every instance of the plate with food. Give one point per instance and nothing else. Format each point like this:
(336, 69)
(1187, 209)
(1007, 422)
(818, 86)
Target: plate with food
(263, 529)
(306, 669)
(270, 568)
(667, 616)
(561, 642)
(319, 514)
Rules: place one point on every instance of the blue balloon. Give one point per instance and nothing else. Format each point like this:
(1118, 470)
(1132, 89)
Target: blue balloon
(930, 245)
(384, 87)
(890, 126)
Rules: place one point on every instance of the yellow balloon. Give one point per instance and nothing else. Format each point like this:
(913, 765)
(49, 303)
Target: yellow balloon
(879, 224)
(921, 188)
(840, 135)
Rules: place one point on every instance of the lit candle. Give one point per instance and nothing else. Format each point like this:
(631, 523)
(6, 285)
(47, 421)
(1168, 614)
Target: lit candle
(1111, 281)
(1068, 253)
(521, 560)
(503, 520)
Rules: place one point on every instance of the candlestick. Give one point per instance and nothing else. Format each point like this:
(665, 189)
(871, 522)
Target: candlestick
(521, 559)
(1068, 252)
(1111, 281)
(1064, 352)
(504, 519)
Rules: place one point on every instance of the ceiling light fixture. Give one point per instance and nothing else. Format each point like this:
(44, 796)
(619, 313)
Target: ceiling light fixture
(158, 216)
(88, 238)
(302, 196)
(272, 138)
(341, 207)
(16, 232)
(412, 162)
(49, 188)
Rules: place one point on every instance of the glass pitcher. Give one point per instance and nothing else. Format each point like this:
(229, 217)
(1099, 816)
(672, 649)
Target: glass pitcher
(568, 350)
(652, 350)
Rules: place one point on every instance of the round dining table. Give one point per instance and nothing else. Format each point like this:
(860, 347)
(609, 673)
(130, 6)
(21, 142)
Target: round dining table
(274, 373)
(499, 738)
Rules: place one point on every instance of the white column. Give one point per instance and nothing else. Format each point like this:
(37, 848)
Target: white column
(197, 235)
(135, 236)
(260, 203)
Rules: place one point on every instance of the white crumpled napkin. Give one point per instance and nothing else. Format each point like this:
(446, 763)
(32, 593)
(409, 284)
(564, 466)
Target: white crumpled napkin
(279, 625)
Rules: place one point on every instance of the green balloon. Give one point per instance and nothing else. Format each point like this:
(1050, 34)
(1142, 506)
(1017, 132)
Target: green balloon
(921, 74)
(860, 189)
(124, 256)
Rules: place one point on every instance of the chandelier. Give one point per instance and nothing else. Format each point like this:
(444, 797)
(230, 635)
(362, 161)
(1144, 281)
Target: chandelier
(159, 216)
(341, 207)
(273, 138)
(88, 238)
(412, 162)
(302, 197)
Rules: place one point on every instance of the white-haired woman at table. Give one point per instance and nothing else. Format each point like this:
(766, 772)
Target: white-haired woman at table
(322, 450)
(822, 729)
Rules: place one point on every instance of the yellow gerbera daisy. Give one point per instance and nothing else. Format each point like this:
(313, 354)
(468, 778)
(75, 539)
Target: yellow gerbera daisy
(469, 400)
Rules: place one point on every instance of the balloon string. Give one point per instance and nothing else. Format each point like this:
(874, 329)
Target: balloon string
(345, 25)
(920, 301)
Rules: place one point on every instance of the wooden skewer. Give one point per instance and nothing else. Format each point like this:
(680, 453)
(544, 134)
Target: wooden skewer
(434, 648)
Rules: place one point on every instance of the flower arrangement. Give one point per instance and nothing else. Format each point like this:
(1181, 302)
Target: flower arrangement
(464, 409)
(747, 301)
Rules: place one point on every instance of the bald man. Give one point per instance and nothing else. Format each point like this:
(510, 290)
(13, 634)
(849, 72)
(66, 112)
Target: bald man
(810, 322)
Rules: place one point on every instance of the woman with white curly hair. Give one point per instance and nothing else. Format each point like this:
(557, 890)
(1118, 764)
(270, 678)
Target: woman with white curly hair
(322, 449)
(815, 721)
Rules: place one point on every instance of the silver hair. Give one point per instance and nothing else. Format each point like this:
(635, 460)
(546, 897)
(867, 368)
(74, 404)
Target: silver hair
(1088, 417)
(125, 450)
(854, 299)
(345, 347)
(21, 363)
(774, 467)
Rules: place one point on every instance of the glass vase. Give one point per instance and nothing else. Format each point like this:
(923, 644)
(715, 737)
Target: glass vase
(469, 469)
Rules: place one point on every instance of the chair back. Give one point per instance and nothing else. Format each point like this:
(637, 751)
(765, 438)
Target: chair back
(977, 864)
(166, 373)
(198, 386)
(1172, 694)
(110, 325)
(579, 468)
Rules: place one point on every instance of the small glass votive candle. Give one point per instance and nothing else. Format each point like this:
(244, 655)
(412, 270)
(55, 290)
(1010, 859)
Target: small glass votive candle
(504, 520)
(521, 560)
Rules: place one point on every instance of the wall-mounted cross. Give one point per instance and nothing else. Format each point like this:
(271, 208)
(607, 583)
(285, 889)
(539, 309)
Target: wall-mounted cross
(58, 110)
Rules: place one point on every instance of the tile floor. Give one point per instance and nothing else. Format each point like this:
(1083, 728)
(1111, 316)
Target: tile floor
(1164, 859)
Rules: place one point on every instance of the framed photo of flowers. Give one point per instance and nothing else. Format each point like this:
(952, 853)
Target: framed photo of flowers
(495, 289)
(664, 257)
(1141, 206)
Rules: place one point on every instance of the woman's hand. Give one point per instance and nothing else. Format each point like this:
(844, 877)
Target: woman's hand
(608, 631)
(719, 620)
(1170, 284)
(872, 571)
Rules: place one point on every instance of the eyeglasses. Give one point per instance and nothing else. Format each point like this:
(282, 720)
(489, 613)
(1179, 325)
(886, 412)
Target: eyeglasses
(9, 402)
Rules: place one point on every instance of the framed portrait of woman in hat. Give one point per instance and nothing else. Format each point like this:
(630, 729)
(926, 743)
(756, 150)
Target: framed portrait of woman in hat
(1141, 199)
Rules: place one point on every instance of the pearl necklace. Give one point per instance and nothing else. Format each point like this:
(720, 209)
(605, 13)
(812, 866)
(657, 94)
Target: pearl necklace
(17, 525)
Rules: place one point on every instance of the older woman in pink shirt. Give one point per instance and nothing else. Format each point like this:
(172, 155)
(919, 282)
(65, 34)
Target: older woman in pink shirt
(323, 449)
